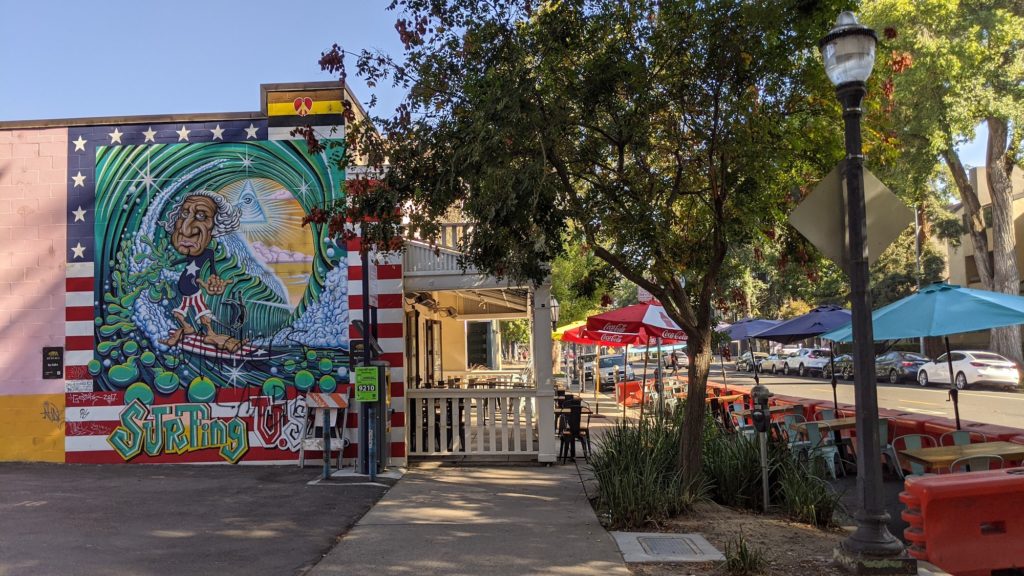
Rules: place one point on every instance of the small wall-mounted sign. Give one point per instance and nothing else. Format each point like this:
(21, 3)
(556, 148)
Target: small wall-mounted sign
(367, 389)
(53, 363)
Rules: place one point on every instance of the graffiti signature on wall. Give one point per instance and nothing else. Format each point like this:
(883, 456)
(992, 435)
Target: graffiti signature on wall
(52, 413)
(177, 429)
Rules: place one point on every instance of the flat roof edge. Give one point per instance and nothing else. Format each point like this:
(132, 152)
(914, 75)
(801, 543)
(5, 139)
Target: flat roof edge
(146, 119)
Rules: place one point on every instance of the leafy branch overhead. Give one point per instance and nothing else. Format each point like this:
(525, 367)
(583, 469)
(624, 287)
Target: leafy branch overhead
(658, 134)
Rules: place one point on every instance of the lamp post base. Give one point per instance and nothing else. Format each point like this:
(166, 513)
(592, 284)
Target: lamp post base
(862, 564)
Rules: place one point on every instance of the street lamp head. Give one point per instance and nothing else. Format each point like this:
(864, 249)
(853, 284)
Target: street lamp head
(554, 312)
(848, 50)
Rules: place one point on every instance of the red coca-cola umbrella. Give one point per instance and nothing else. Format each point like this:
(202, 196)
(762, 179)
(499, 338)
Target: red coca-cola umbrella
(580, 335)
(648, 318)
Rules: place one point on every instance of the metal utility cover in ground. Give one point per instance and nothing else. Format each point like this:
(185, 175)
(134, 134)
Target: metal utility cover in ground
(664, 547)
(821, 217)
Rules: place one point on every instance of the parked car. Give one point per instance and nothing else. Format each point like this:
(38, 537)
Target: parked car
(682, 359)
(773, 363)
(970, 367)
(607, 368)
(843, 366)
(806, 361)
(899, 366)
(743, 364)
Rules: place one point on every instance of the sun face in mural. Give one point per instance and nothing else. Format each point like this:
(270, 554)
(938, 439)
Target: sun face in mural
(271, 223)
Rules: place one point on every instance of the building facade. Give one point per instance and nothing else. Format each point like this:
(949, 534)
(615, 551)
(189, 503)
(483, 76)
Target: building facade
(162, 301)
(960, 259)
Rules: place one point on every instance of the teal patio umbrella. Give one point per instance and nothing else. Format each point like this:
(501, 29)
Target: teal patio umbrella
(940, 309)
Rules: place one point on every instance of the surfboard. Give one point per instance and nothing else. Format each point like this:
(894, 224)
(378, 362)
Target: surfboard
(194, 344)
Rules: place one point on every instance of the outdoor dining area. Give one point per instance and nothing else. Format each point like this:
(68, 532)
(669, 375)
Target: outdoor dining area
(975, 465)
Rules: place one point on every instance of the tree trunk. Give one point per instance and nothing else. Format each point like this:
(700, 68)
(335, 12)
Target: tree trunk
(972, 207)
(1005, 341)
(700, 352)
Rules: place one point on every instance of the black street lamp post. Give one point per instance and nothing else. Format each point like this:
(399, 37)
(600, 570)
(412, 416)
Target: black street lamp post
(848, 52)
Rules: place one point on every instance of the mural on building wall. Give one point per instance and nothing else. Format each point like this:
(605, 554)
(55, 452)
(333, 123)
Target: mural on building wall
(214, 309)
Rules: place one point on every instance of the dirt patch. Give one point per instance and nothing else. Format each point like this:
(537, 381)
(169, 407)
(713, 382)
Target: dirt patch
(791, 548)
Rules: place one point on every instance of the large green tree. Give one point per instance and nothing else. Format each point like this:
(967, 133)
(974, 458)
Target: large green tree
(658, 134)
(959, 63)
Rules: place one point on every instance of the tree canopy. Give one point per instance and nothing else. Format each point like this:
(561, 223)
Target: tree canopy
(656, 135)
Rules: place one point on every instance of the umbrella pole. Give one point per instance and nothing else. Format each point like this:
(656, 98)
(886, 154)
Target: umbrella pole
(659, 385)
(597, 372)
(954, 394)
(832, 370)
(643, 383)
(625, 377)
(753, 364)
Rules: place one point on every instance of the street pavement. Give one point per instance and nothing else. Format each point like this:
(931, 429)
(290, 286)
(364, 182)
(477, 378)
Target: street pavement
(983, 404)
(150, 520)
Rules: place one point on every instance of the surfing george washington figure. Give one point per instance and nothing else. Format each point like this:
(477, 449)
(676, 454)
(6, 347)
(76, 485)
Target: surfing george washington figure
(193, 224)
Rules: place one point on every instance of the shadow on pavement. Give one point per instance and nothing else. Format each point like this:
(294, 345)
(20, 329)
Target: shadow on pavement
(67, 519)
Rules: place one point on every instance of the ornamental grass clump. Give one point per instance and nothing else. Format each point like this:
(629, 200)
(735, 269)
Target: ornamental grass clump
(806, 496)
(797, 486)
(742, 559)
(639, 480)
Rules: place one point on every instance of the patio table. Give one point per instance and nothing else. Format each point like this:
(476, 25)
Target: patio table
(772, 410)
(939, 457)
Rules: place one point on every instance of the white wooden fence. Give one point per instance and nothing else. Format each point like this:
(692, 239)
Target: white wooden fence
(475, 422)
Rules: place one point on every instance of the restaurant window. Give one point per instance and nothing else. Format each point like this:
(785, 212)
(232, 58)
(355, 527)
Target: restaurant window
(971, 267)
(478, 345)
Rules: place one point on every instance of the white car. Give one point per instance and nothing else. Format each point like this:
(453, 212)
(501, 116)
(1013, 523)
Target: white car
(970, 367)
(806, 360)
(613, 368)
(773, 363)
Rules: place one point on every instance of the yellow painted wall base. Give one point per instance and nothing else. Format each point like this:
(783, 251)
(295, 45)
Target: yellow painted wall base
(32, 428)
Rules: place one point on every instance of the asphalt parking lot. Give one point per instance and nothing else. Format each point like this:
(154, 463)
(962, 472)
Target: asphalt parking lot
(70, 520)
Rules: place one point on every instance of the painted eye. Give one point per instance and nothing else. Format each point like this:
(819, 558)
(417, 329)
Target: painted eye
(248, 200)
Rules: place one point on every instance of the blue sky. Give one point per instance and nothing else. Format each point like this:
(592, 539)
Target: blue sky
(73, 59)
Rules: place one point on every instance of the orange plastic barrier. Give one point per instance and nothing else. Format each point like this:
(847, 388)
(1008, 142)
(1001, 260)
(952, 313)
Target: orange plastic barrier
(908, 423)
(993, 431)
(968, 524)
(624, 390)
(936, 427)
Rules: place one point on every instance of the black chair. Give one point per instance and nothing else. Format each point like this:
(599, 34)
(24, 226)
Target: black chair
(572, 429)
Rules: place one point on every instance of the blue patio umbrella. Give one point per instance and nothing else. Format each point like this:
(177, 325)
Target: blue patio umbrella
(814, 323)
(941, 309)
(747, 327)
(743, 330)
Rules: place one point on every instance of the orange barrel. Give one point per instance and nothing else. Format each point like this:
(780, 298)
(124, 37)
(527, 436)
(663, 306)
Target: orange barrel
(971, 523)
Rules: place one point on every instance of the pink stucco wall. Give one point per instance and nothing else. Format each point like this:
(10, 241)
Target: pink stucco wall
(33, 219)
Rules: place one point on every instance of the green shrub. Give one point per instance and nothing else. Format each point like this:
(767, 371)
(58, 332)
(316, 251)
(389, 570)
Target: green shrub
(806, 496)
(741, 559)
(639, 480)
(732, 465)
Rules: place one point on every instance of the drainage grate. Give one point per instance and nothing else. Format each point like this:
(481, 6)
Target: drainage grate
(674, 546)
(661, 547)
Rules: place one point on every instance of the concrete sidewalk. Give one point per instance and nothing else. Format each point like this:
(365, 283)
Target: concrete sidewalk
(478, 519)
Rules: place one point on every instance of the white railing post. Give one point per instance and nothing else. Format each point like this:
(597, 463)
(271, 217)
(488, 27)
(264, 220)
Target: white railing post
(542, 373)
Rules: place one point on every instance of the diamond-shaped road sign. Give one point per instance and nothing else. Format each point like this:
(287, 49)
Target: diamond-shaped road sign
(821, 217)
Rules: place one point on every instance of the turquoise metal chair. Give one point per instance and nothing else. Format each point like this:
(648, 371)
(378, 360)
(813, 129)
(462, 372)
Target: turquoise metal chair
(888, 450)
(959, 438)
(978, 463)
(819, 437)
(911, 442)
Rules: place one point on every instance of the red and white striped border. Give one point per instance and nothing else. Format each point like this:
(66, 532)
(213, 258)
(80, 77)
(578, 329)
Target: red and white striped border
(390, 330)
